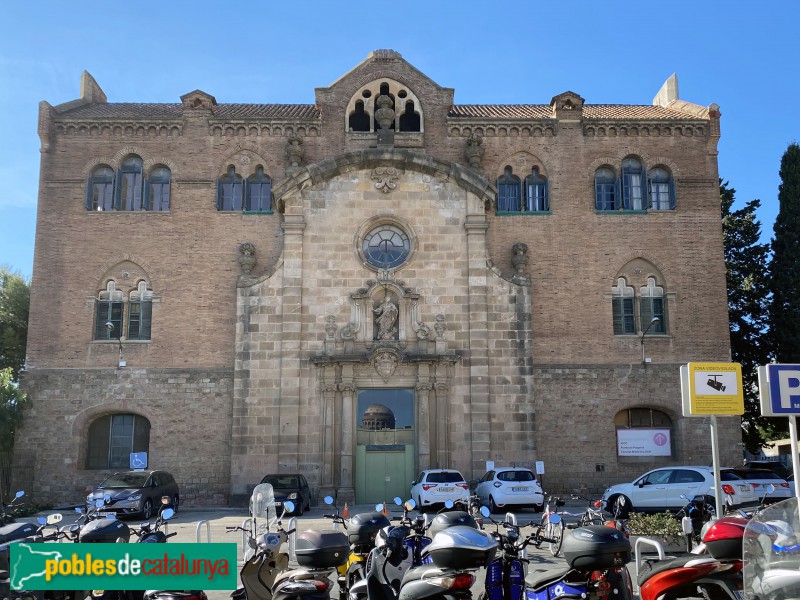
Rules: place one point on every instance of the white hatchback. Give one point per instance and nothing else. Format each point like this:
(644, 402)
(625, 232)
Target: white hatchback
(509, 487)
(436, 486)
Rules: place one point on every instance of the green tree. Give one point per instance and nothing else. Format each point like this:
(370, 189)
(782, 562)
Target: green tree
(12, 401)
(15, 297)
(748, 294)
(785, 267)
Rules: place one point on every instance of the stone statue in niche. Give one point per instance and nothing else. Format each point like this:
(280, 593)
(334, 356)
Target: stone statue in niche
(519, 260)
(247, 258)
(386, 320)
(474, 151)
(295, 150)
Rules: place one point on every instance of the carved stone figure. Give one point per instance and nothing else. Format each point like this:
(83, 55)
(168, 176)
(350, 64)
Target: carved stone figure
(520, 259)
(385, 364)
(247, 257)
(386, 318)
(385, 113)
(295, 150)
(439, 326)
(330, 326)
(474, 151)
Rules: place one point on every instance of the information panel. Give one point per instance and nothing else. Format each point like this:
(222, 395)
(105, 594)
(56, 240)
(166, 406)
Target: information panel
(644, 442)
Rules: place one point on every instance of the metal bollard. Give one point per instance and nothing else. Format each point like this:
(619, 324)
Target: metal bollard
(208, 531)
(647, 542)
(292, 538)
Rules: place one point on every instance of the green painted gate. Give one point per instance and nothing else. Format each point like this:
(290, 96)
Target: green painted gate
(383, 471)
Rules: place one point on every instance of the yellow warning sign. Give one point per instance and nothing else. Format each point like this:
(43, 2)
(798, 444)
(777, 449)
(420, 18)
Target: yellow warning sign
(712, 388)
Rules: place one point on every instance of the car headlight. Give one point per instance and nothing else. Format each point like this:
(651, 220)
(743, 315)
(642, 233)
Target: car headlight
(292, 496)
(136, 496)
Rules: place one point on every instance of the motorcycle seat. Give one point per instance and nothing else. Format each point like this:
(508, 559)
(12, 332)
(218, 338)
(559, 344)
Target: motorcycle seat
(538, 580)
(650, 568)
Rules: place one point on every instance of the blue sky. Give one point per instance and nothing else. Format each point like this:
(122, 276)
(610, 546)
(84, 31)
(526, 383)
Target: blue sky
(740, 55)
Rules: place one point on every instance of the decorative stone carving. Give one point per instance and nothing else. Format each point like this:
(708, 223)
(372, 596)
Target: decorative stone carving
(385, 363)
(424, 332)
(385, 178)
(295, 150)
(247, 258)
(330, 326)
(439, 326)
(385, 113)
(474, 151)
(520, 258)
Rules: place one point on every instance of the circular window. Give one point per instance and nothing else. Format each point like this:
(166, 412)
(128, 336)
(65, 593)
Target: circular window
(386, 246)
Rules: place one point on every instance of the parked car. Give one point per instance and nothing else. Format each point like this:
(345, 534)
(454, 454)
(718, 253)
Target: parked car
(661, 489)
(510, 487)
(773, 465)
(289, 486)
(761, 478)
(434, 487)
(136, 493)
(790, 481)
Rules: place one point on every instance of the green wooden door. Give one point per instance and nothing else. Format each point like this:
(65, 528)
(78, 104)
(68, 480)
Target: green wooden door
(383, 472)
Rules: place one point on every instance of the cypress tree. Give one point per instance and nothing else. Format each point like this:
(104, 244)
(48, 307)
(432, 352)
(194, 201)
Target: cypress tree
(785, 267)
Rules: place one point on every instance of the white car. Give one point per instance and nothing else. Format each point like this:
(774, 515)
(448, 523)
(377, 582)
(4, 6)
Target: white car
(662, 489)
(434, 487)
(761, 479)
(509, 487)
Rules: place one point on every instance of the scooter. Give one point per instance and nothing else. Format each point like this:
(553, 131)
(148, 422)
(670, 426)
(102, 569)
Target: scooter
(771, 553)
(7, 511)
(267, 559)
(37, 535)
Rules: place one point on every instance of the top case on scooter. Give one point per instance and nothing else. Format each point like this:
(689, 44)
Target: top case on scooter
(723, 537)
(363, 527)
(596, 547)
(104, 530)
(321, 549)
(461, 547)
(450, 518)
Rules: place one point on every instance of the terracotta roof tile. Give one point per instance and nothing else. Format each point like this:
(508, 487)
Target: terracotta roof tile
(544, 111)
(131, 110)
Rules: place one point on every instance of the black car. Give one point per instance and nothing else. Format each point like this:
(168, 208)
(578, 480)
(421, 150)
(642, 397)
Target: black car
(136, 493)
(773, 465)
(291, 486)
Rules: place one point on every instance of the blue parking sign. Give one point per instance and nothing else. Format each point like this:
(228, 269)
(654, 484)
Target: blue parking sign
(779, 387)
(138, 460)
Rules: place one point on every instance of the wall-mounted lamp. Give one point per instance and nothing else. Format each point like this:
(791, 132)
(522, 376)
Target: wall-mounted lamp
(653, 321)
(110, 327)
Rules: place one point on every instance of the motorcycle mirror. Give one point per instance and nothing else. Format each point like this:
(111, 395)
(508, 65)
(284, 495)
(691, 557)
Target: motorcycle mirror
(771, 488)
(289, 506)
(328, 499)
(19, 494)
(111, 517)
(99, 503)
(107, 497)
(79, 510)
(74, 527)
(379, 507)
(448, 504)
(554, 518)
(410, 504)
(53, 519)
(41, 521)
(167, 514)
(398, 501)
(485, 511)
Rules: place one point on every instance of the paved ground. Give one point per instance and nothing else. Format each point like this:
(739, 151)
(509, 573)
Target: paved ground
(203, 525)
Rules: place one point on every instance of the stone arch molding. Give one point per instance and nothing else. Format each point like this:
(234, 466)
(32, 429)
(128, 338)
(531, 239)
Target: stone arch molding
(245, 156)
(659, 271)
(372, 158)
(80, 424)
(521, 162)
(104, 271)
(115, 161)
(648, 162)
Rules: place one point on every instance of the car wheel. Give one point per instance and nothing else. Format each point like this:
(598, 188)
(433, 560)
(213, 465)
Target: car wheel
(419, 506)
(147, 509)
(538, 507)
(175, 501)
(493, 507)
(298, 510)
(308, 504)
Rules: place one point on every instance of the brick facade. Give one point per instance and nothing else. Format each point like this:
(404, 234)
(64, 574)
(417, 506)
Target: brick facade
(256, 368)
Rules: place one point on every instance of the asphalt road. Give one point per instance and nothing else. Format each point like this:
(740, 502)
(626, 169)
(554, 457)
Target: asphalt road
(204, 525)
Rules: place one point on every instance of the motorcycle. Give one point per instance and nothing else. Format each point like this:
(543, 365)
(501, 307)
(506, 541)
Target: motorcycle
(38, 534)
(8, 511)
(771, 553)
(596, 556)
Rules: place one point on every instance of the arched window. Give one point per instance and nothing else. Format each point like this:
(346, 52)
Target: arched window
(108, 313)
(157, 190)
(643, 432)
(509, 193)
(662, 189)
(605, 189)
(112, 439)
(632, 185)
(100, 190)
(230, 191)
(130, 187)
(409, 120)
(259, 189)
(359, 120)
(140, 313)
(536, 192)
(652, 306)
(623, 307)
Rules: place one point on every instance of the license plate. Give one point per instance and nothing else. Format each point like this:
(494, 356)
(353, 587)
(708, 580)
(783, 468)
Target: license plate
(744, 488)
(519, 489)
(447, 489)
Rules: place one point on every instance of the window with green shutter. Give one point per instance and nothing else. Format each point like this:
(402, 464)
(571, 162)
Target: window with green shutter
(652, 305)
(108, 312)
(140, 314)
(624, 318)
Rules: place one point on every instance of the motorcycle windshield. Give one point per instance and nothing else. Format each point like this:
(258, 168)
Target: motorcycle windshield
(771, 551)
(263, 502)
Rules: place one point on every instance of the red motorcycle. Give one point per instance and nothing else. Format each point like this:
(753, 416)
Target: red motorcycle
(716, 575)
